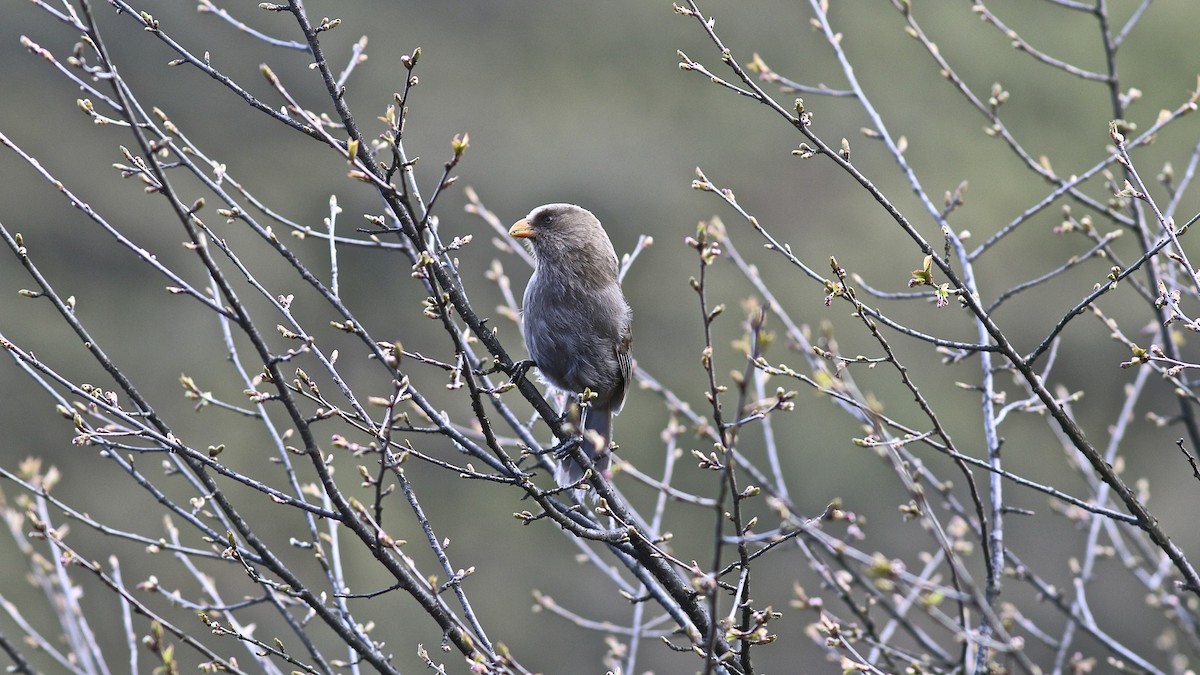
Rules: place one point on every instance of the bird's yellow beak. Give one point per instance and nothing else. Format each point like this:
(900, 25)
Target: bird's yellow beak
(521, 229)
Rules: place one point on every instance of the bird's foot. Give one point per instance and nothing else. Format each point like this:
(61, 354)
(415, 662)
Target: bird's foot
(517, 370)
(520, 368)
(563, 449)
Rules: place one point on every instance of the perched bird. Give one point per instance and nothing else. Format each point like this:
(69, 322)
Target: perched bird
(577, 323)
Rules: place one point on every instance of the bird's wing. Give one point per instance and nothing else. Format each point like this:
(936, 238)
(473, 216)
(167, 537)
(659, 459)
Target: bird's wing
(625, 363)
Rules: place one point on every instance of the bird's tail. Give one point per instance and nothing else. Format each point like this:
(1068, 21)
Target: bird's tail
(597, 439)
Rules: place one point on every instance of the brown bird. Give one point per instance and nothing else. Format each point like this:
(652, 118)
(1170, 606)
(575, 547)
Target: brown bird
(578, 327)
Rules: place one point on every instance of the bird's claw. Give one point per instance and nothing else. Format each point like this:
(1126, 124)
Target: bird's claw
(517, 368)
(520, 368)
(563, 450)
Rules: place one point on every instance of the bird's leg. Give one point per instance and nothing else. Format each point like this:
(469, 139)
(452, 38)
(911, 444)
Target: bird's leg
(520, 368)
(564, 448)
(565, 452)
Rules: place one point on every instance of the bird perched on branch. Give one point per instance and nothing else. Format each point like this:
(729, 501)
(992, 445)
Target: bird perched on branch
(577, 323)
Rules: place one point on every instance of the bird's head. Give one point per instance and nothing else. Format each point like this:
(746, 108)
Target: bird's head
(568, 233)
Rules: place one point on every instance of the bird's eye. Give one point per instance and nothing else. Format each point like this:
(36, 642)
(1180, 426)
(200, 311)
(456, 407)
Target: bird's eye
(546, 218)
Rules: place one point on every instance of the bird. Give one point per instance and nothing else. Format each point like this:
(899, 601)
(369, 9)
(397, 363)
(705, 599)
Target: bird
(577, 323)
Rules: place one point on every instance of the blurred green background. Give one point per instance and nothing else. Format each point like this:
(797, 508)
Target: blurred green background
(584, 102)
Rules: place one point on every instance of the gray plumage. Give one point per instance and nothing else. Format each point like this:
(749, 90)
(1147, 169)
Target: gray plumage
(577, 323)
